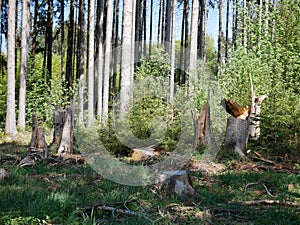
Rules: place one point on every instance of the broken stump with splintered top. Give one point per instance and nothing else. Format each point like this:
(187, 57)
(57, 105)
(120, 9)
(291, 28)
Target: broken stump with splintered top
(177, 182)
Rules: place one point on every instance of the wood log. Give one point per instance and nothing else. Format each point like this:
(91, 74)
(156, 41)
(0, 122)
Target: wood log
(38, 145)
(236, 137)
(177, 182)
(200, 122)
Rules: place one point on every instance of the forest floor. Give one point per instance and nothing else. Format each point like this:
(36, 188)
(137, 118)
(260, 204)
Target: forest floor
(229, 192)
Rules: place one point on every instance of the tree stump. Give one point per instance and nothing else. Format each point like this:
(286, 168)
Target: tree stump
(58, 124)
(236, 136)
(177, 182)
(200, 123)
(38, 145)
(66, 140)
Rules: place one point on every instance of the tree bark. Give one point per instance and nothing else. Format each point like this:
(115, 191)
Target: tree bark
(193, 46)
(58, 124)
(220, 39)
(10, 122)
(38, 145)
(236, 137)
(66, 143)
(23, 63)
(173, 51)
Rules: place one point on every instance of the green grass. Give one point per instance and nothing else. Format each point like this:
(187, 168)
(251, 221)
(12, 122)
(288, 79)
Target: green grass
(53, 194)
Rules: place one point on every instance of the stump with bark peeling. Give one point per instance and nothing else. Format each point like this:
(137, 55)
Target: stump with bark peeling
(177, 182)
(38, 145)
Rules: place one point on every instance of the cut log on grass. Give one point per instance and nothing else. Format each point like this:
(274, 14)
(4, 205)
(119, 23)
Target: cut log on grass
(38, 145)
(236, 136)
(177, 182)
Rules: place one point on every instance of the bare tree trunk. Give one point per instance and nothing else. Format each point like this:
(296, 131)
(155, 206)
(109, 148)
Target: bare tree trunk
(126, 58)
(173, 51)
(151, 27)
(80, 62)
(34, 35)
(116, 45)
(10, 122)
(168, 26)
(220, 39)
(49, 40)
(62, 42)
(159, 22)
(90, 69)
(204, 30)
(227, 31)
(186, 40)
(23, 62)
(107, 59)
(193, 45)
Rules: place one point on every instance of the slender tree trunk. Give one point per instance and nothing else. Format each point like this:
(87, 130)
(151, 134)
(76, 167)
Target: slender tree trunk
(116, 45)
(234, 24)
(144, 28)
(133, 43)
(151, 27)
(23, 62)
(100, 61)
(80, 62)
(244, 22)
(90, 69)
(69, 65)
(163, 21)
(204, 30)
(126, 59)
(227, 30)
(34, 35)
(62, 42)
(49, 40)
(159, 22)
(107, 59)
(193, 46)
(10, 122)
(173, 51)
(180, 78)
(220, 39)
(168, 26)
(186, 39)
(200, 30)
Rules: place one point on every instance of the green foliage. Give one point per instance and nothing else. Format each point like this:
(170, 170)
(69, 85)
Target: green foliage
(42, 97)
(2, 91)
(271, 57)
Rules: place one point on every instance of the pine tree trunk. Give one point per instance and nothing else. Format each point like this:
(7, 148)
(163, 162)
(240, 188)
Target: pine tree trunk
(220, 39)
(193, 45)
(173, 51)
(10, 122)
(23, 62)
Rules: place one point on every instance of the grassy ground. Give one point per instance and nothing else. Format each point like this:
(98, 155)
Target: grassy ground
(56, 194)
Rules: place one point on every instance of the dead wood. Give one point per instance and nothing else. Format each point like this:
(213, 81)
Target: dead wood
(38, 145)
(200, 123)
(177, 182)
(267, 202)
(58, 124)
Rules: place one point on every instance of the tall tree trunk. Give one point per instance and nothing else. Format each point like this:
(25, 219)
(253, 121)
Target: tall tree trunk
(163, 21)
(244, 22)
(173, 50)
(204, 30)
(69, 63)
(62, 42)
(10, 122)
(23, 62)
(133, 43)
(116, 45)
(180, 75)
(168, 26)
(138, 34)
(90, 69)
(193, 46)
(49, 39)
(159, 22)
(200, 30)
(227, 30)
(80, 61)
(100, 61)
(127, 57)
(144, 28)
(151, 27)
(186, 39)
(220, 39)
(234, 22)
(34, 35)
(107, 59)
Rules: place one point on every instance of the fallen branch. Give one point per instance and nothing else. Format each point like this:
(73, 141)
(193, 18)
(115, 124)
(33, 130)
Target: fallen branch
(267, 202)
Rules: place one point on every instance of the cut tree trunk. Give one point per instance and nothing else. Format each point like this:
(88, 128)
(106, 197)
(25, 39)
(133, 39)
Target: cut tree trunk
(177, 182)
(38, 145)
(66, 143)
(236, 137)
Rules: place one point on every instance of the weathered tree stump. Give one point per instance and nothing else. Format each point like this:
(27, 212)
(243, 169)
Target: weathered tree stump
(38, 145)
(236, 137)
(66, 140)
(200, 123)
(58, 124)
(177, 182)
